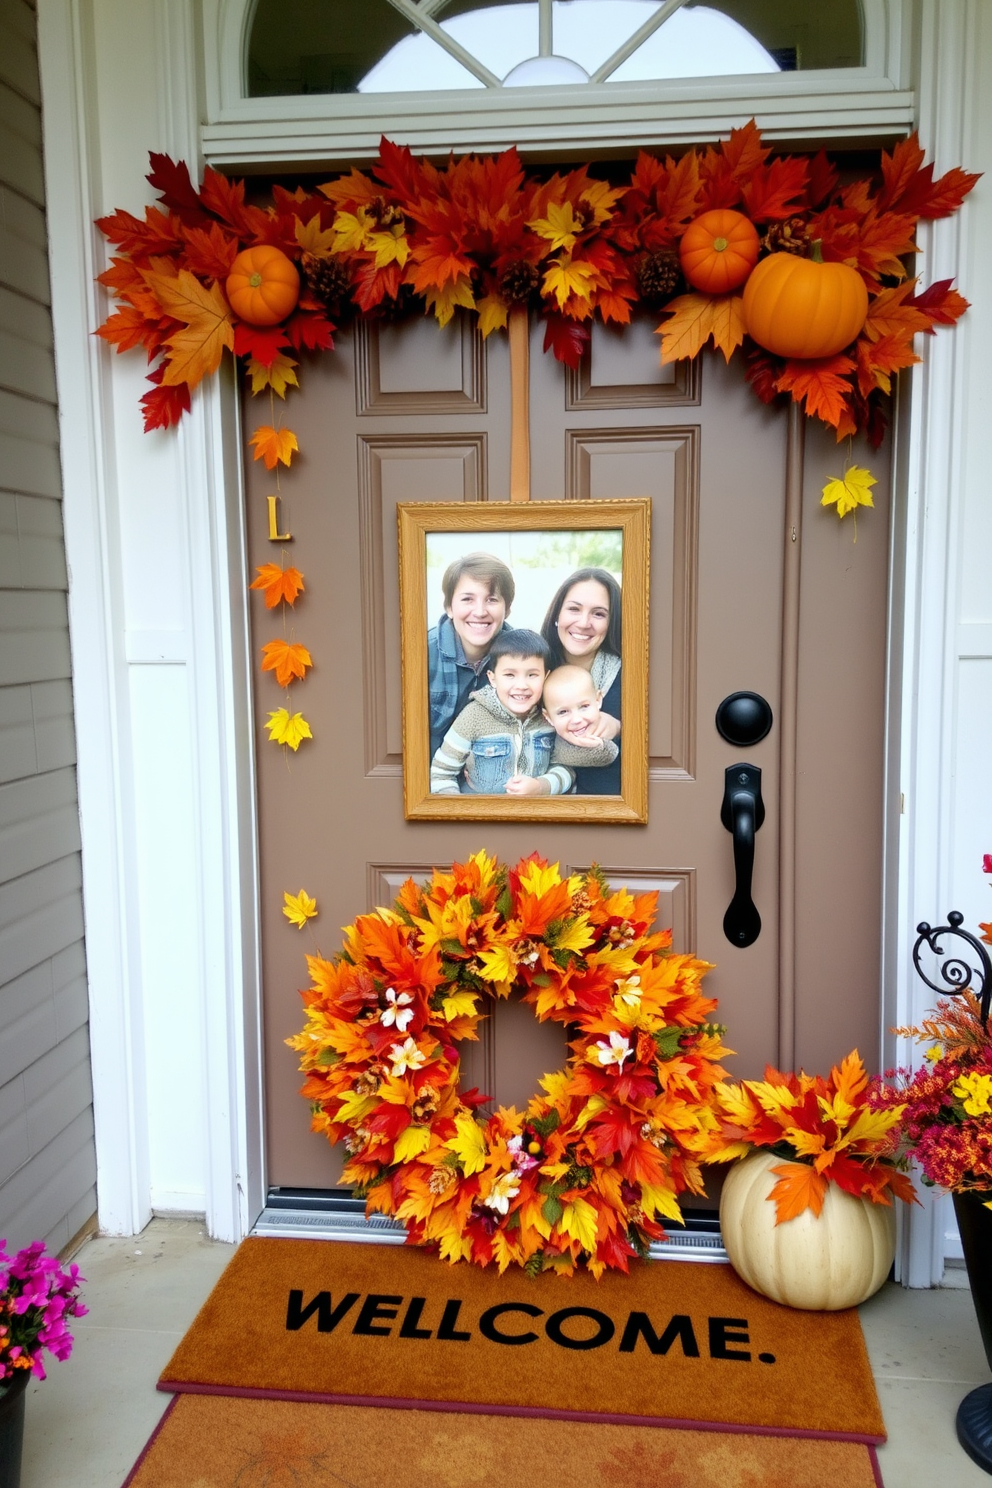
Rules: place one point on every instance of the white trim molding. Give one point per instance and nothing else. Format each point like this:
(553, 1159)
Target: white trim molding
(161, 683)
(944, 480)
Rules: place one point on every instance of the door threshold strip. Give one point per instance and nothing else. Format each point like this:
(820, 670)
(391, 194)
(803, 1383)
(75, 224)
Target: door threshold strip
(333, 1223)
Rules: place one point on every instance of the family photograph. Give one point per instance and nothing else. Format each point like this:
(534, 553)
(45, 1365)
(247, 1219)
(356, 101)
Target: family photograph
(524, 662)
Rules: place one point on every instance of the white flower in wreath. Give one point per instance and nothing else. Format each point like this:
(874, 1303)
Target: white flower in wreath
(406, 1056)
(615, 1052)
(399, 1011)
(630, 991)
(506, 1187)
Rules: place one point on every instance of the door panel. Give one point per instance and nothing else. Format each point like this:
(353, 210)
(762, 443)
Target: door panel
(408, 413)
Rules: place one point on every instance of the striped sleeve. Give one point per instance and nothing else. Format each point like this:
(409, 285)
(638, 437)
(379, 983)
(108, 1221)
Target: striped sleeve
(448, 764)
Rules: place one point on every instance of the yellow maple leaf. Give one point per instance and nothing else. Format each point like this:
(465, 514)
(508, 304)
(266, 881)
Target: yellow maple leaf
(443, 301)
(195, 351)
(287, 728)
(274, 445)
(314, 239)
(656, 1199)
(578, 1219)
(602, 197)
(565, 278)
(469, 1145)
(492, 314)
(851, 490)
(561, 226)
(351, 231)
(389, 248)
(277, 377)
(298, 908)
(354, 1106)
(458, 1005)
(575, 936)
(498, 964)
(411, 1142)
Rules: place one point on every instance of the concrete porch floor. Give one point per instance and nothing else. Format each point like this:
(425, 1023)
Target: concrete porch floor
(89, 1420)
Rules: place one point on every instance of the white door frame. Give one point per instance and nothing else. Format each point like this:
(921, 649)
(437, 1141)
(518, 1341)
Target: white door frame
(161, 664)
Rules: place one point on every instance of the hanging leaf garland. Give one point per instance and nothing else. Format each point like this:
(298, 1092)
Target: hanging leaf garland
(483, 234)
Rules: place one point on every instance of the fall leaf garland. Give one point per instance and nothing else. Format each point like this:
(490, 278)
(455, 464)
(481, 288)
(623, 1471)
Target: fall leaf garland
(483, 234)
(588, 1173)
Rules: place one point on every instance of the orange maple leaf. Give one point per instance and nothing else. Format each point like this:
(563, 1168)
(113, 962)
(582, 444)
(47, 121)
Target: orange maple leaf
(286, 659)
(893, 312)
(197, 349)
(696, 318)
(273, 445)
(278, 584)
(822, 383)
(799, 1188)
(877, 360)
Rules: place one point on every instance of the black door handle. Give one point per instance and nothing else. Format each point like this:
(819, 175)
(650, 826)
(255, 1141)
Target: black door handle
(742, 813)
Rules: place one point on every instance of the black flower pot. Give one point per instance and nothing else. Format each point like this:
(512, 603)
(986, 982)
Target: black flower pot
(12, 1430)
(975, 1411)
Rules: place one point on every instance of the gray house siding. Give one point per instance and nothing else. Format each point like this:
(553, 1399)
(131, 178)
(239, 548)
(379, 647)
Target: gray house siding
(47, 1158)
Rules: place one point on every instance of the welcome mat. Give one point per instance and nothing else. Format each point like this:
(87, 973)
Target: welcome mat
(673, 1343)
(220, 1442)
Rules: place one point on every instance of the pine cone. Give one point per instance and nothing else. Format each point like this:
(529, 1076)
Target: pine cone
(658, 277)
(790, 236)
(328, 280)
(518, 282)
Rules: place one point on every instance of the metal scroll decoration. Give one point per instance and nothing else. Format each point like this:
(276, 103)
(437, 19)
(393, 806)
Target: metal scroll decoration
(957, 974)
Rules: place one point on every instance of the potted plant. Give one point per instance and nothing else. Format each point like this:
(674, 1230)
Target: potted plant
(36, 1299)
(806, 1214)
(946, 1124)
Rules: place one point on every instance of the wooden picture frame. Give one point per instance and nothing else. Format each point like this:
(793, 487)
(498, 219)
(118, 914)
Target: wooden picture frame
(433, 533)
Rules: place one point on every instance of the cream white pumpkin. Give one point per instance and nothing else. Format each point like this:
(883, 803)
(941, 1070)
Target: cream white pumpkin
(818, 1262)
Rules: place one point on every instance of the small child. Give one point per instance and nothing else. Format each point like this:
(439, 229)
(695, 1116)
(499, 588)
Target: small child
(572, 705)
(500, 743)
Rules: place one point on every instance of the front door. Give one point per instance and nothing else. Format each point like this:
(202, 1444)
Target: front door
(411, 412)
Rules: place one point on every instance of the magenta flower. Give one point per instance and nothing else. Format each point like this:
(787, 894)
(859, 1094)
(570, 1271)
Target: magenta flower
(36, 1298)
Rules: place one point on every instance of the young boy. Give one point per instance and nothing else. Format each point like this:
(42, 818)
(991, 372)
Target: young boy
(501, 743)
(478, 591)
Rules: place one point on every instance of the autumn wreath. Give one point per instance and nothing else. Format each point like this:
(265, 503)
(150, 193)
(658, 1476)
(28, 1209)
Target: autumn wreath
(588, 1172)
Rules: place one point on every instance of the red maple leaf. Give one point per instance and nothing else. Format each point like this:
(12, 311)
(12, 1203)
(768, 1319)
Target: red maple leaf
(763, 370)
(776, 190)
(940, 303)
(567, 338)
(210, 251)
(164, 406)
(822, 179)
(261, 342)
(171, 179)
(226, 199)
(158, 234)
(310, 330)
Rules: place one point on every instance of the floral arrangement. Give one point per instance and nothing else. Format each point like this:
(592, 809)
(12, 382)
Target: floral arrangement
(588, 1172)
(206, 270)
(36, 1299)
(825, 1130)
(946, 1106)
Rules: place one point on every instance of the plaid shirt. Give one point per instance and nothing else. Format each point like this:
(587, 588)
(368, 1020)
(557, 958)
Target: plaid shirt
(450, 678)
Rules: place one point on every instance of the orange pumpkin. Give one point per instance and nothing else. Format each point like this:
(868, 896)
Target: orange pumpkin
(718, 250)
(802, 307)
(263, 285)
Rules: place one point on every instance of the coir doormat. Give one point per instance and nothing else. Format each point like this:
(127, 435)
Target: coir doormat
(673, 1343)
(220, 1442)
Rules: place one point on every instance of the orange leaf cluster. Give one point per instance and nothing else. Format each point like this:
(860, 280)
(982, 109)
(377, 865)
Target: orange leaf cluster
(482, 234)
(826, 1131)
(591, 1169)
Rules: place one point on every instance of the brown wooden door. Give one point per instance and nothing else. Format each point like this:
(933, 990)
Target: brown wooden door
(413, 413)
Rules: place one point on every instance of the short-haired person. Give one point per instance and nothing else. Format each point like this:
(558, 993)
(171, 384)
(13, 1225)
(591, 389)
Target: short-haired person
(501, 742)
(583, 629)
(478, 591)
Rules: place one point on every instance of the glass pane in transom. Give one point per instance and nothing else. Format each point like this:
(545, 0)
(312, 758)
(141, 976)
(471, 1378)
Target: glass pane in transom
(378, 46)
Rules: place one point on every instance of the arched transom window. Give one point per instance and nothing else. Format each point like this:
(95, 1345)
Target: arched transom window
(394, 46)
